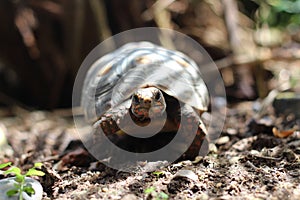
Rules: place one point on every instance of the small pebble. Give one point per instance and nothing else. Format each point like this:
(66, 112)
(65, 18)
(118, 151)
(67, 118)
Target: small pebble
(218, 185)
(254, 152)
(129, 197)
(187, 174)
(231, 131)
(223, 140)
(212, 148)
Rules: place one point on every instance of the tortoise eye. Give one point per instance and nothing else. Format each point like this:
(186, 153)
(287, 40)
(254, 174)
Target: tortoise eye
(157, 96)
(135, 99)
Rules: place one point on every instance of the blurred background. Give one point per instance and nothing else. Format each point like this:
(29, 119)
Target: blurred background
(255, 43)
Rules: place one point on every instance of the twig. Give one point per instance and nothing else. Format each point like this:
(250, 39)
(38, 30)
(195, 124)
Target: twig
(231, 20)
(242, 59)
(242, 73)
(78, 22)
(99, 12)
(156, 7)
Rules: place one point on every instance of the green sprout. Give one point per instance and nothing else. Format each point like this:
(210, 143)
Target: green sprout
(158, 173)
(20, 185)
(156, 195)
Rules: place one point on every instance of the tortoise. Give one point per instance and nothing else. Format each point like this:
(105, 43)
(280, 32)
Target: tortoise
(144, 85)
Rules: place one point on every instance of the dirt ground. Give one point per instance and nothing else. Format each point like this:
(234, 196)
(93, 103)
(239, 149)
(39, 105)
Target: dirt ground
(246, 162)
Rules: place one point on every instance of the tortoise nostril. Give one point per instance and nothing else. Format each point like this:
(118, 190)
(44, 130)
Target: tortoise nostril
(147, 101)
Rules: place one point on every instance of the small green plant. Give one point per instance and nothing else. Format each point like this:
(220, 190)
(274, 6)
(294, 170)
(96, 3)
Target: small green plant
(20, 185)
(156, 195)
(158, 173)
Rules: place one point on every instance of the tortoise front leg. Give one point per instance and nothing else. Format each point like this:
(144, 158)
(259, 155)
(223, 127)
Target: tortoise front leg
(192, 126)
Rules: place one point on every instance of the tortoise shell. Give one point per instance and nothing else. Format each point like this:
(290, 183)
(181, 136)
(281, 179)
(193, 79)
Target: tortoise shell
(113, 78)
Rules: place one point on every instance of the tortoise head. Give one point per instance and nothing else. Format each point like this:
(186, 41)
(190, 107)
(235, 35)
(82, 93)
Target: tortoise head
(147, 102)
